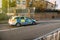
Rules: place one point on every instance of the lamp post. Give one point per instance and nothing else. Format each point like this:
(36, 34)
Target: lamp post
(33, 11)
(28, 14)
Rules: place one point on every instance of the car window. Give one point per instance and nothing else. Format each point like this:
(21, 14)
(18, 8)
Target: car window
(28, 18)
(22, 17)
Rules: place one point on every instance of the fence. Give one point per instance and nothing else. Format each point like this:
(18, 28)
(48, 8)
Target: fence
(54, 35)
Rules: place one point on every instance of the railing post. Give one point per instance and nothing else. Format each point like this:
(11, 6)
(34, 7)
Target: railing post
(49, 37)
(58, 35)
(55, 36)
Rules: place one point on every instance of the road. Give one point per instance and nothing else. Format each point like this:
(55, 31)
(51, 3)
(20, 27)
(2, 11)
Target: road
(28, 32)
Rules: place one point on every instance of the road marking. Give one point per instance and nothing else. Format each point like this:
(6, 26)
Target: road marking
(10, 29)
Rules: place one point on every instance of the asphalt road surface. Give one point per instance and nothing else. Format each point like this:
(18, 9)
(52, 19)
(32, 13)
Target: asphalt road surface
(28, 32)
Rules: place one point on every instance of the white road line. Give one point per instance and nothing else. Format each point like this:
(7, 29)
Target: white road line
(10, 29)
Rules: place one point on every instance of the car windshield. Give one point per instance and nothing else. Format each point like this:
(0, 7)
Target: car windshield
(17, 18)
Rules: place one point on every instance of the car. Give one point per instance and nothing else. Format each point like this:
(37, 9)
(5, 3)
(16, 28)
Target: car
(19, 21)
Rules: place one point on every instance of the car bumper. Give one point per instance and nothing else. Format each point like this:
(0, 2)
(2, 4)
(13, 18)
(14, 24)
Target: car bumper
(10, 23)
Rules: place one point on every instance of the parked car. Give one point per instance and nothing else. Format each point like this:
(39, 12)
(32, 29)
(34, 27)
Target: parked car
(19, 21)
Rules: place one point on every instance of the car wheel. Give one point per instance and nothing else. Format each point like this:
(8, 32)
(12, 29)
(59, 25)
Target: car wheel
(34, 23)
(18, 25)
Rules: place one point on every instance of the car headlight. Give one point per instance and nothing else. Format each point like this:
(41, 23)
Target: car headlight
(34, 20)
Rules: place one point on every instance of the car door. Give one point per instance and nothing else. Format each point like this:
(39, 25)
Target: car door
(22, 20)
(18, 19)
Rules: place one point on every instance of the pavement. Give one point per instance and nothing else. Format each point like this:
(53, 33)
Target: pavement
(28, 32)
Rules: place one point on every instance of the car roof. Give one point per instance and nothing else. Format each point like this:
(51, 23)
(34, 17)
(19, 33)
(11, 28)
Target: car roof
(19, 16)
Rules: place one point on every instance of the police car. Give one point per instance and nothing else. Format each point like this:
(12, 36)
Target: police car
(18, 21)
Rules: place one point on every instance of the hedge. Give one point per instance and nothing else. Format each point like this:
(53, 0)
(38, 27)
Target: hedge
(3, 17)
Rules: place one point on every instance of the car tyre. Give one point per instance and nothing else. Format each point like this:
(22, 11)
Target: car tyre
(18, 25)
(34, 23)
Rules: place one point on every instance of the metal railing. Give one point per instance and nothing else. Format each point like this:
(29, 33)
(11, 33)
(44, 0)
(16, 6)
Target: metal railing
(54, 35)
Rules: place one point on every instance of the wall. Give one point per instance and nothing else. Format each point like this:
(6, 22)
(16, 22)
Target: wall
(46, 15)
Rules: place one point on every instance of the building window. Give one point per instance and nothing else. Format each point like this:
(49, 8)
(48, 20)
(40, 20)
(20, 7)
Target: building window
(23, 2)
(21, 11)
(18, 1)
(37, 0)
(30, 2)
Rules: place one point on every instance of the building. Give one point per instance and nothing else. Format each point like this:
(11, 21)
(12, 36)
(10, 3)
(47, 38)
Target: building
(51, 5)
(23, 5)
(21, 8)
(0, 6)
(28, 7)
(0, 3)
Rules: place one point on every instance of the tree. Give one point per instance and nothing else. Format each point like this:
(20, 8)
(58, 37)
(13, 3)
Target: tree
(40, 5)
(4, 6)
(12, 3)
